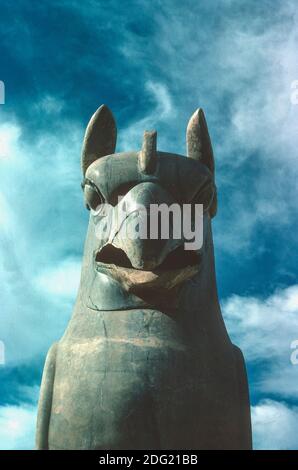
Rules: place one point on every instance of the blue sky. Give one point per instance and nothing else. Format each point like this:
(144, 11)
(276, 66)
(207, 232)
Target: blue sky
(153, 63)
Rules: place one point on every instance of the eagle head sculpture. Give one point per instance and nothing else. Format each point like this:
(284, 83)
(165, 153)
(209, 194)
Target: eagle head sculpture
(146, 361)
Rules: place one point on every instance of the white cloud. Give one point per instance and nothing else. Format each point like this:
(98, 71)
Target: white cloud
(255, 321)
(62, 279)
(265, 329)
(275, 426)
(9, 138)
(17, 427)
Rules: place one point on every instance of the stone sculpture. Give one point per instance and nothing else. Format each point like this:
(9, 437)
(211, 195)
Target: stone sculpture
(146, 361)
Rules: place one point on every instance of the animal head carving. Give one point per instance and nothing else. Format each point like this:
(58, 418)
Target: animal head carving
(124, 182)
(146, 338)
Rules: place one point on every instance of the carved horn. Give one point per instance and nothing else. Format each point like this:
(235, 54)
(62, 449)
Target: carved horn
(148, 155)
(198, 141)
(100, 137)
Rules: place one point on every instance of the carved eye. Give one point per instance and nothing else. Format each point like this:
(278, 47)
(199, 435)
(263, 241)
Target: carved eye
(205, 196)
(92, 195)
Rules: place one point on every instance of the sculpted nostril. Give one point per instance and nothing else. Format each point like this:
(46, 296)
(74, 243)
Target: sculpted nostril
(180, 258)
(112, 255)
(176, 259)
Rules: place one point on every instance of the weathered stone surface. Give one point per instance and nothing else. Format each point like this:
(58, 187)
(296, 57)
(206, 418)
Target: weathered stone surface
(146, 361)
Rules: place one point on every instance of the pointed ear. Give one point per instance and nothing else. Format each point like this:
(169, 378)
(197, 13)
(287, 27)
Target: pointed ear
(198, 141)
(100, 137)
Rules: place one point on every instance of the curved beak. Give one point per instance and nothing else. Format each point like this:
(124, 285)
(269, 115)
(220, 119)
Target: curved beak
(140, 234)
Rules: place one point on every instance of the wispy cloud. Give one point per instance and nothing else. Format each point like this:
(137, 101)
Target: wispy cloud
(162, 112)
(9, 137)
(265, 329)
(37, 202)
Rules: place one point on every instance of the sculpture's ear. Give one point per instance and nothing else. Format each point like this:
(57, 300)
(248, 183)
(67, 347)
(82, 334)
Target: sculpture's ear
(100, 137)
(199, 147)
(198, 141)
